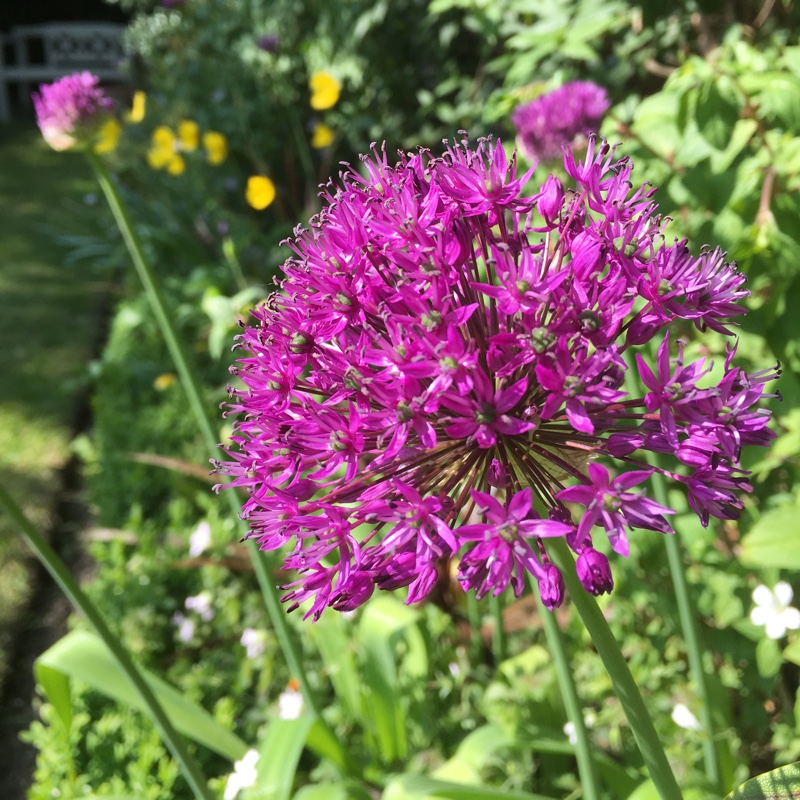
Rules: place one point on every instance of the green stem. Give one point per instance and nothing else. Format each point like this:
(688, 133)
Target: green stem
(62, 576)
(686, 616)
(621, 679)
(191, 385)
(232, 260)
(572, 704)
(301, 143)
(694, 649)
(498, 634)
(474, 616)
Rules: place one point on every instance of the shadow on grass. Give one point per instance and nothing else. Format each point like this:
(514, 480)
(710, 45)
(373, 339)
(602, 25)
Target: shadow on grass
(48, 324)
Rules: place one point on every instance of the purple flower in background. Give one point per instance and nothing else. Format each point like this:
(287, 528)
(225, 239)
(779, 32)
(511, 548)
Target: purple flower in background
(554, 120)
(447, 361)
(71, 109)
(268, 43)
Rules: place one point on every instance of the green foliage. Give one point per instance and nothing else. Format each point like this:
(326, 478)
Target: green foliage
(420, 705)
(776, 785)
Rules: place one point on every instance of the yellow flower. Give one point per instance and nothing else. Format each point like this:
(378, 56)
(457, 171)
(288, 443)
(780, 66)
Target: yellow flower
(216, 146)
(164, 381)
(108, 136)
(158, 157)
(189, 134)
(176, 165)
(260, 192)
(163, 137)
(323, 136)
(138, 106)
(324, 90)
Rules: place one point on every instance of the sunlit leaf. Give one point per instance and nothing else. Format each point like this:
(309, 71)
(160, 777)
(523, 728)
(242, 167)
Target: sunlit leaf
(83, 656)
(780, 784)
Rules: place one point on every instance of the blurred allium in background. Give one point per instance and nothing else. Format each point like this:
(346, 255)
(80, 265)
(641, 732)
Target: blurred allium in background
(71, 110)
(449, 357)
(559, 118)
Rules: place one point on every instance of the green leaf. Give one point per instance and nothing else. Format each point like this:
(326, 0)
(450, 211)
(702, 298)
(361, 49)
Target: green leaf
(768, 657)
(335, 647)
(780, 784)
(655, 123)
(742, 133)
(55, 685)
(280, 752)
(325, 791)
(792, 652)
(716, 114)
(471, 755)
(774, 540)
(383, 624)
(326, 745)
(419, 787)
(83, 656)
(333, 791)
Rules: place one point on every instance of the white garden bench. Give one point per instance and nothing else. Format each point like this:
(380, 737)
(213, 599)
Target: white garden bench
(64, 47)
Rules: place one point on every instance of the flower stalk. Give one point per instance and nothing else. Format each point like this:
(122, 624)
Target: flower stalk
(694, 649)
(62, 576)
(686, 616)
(569, 695)
(625, 688)
(191, 386)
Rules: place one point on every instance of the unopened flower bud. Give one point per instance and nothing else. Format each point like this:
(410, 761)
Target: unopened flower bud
(551, 198)
(551, 587)
(594, 572)
(497, 475)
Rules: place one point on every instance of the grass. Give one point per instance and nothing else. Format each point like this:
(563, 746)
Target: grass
(48, 316)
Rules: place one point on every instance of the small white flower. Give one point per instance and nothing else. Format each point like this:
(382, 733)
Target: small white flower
(290, 703)
(200, 539)
(589, 718)
(683, 718)
(255, 642)
(243, 776)
(455, 670)
(201, 604)
(773, 610)
(569, 732)
(185, 627)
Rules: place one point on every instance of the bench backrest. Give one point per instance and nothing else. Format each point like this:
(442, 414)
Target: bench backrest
(71, 46)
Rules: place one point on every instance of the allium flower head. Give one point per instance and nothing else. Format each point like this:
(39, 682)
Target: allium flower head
(446, 363)
(556, 119)
(71, 110)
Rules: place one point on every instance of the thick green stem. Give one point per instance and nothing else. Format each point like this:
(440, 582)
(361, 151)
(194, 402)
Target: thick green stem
(191, 386)
(686, 616)
(694, 649)
(474, 616)
(62, 576)
(498, 634)
(572, 704)
(621, 679)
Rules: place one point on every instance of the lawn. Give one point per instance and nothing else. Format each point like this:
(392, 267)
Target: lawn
(49, 316)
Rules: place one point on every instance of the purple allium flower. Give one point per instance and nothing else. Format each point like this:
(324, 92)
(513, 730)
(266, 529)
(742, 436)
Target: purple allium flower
(446, 362)
(554, 120)
(268, 43)
(70, 109)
